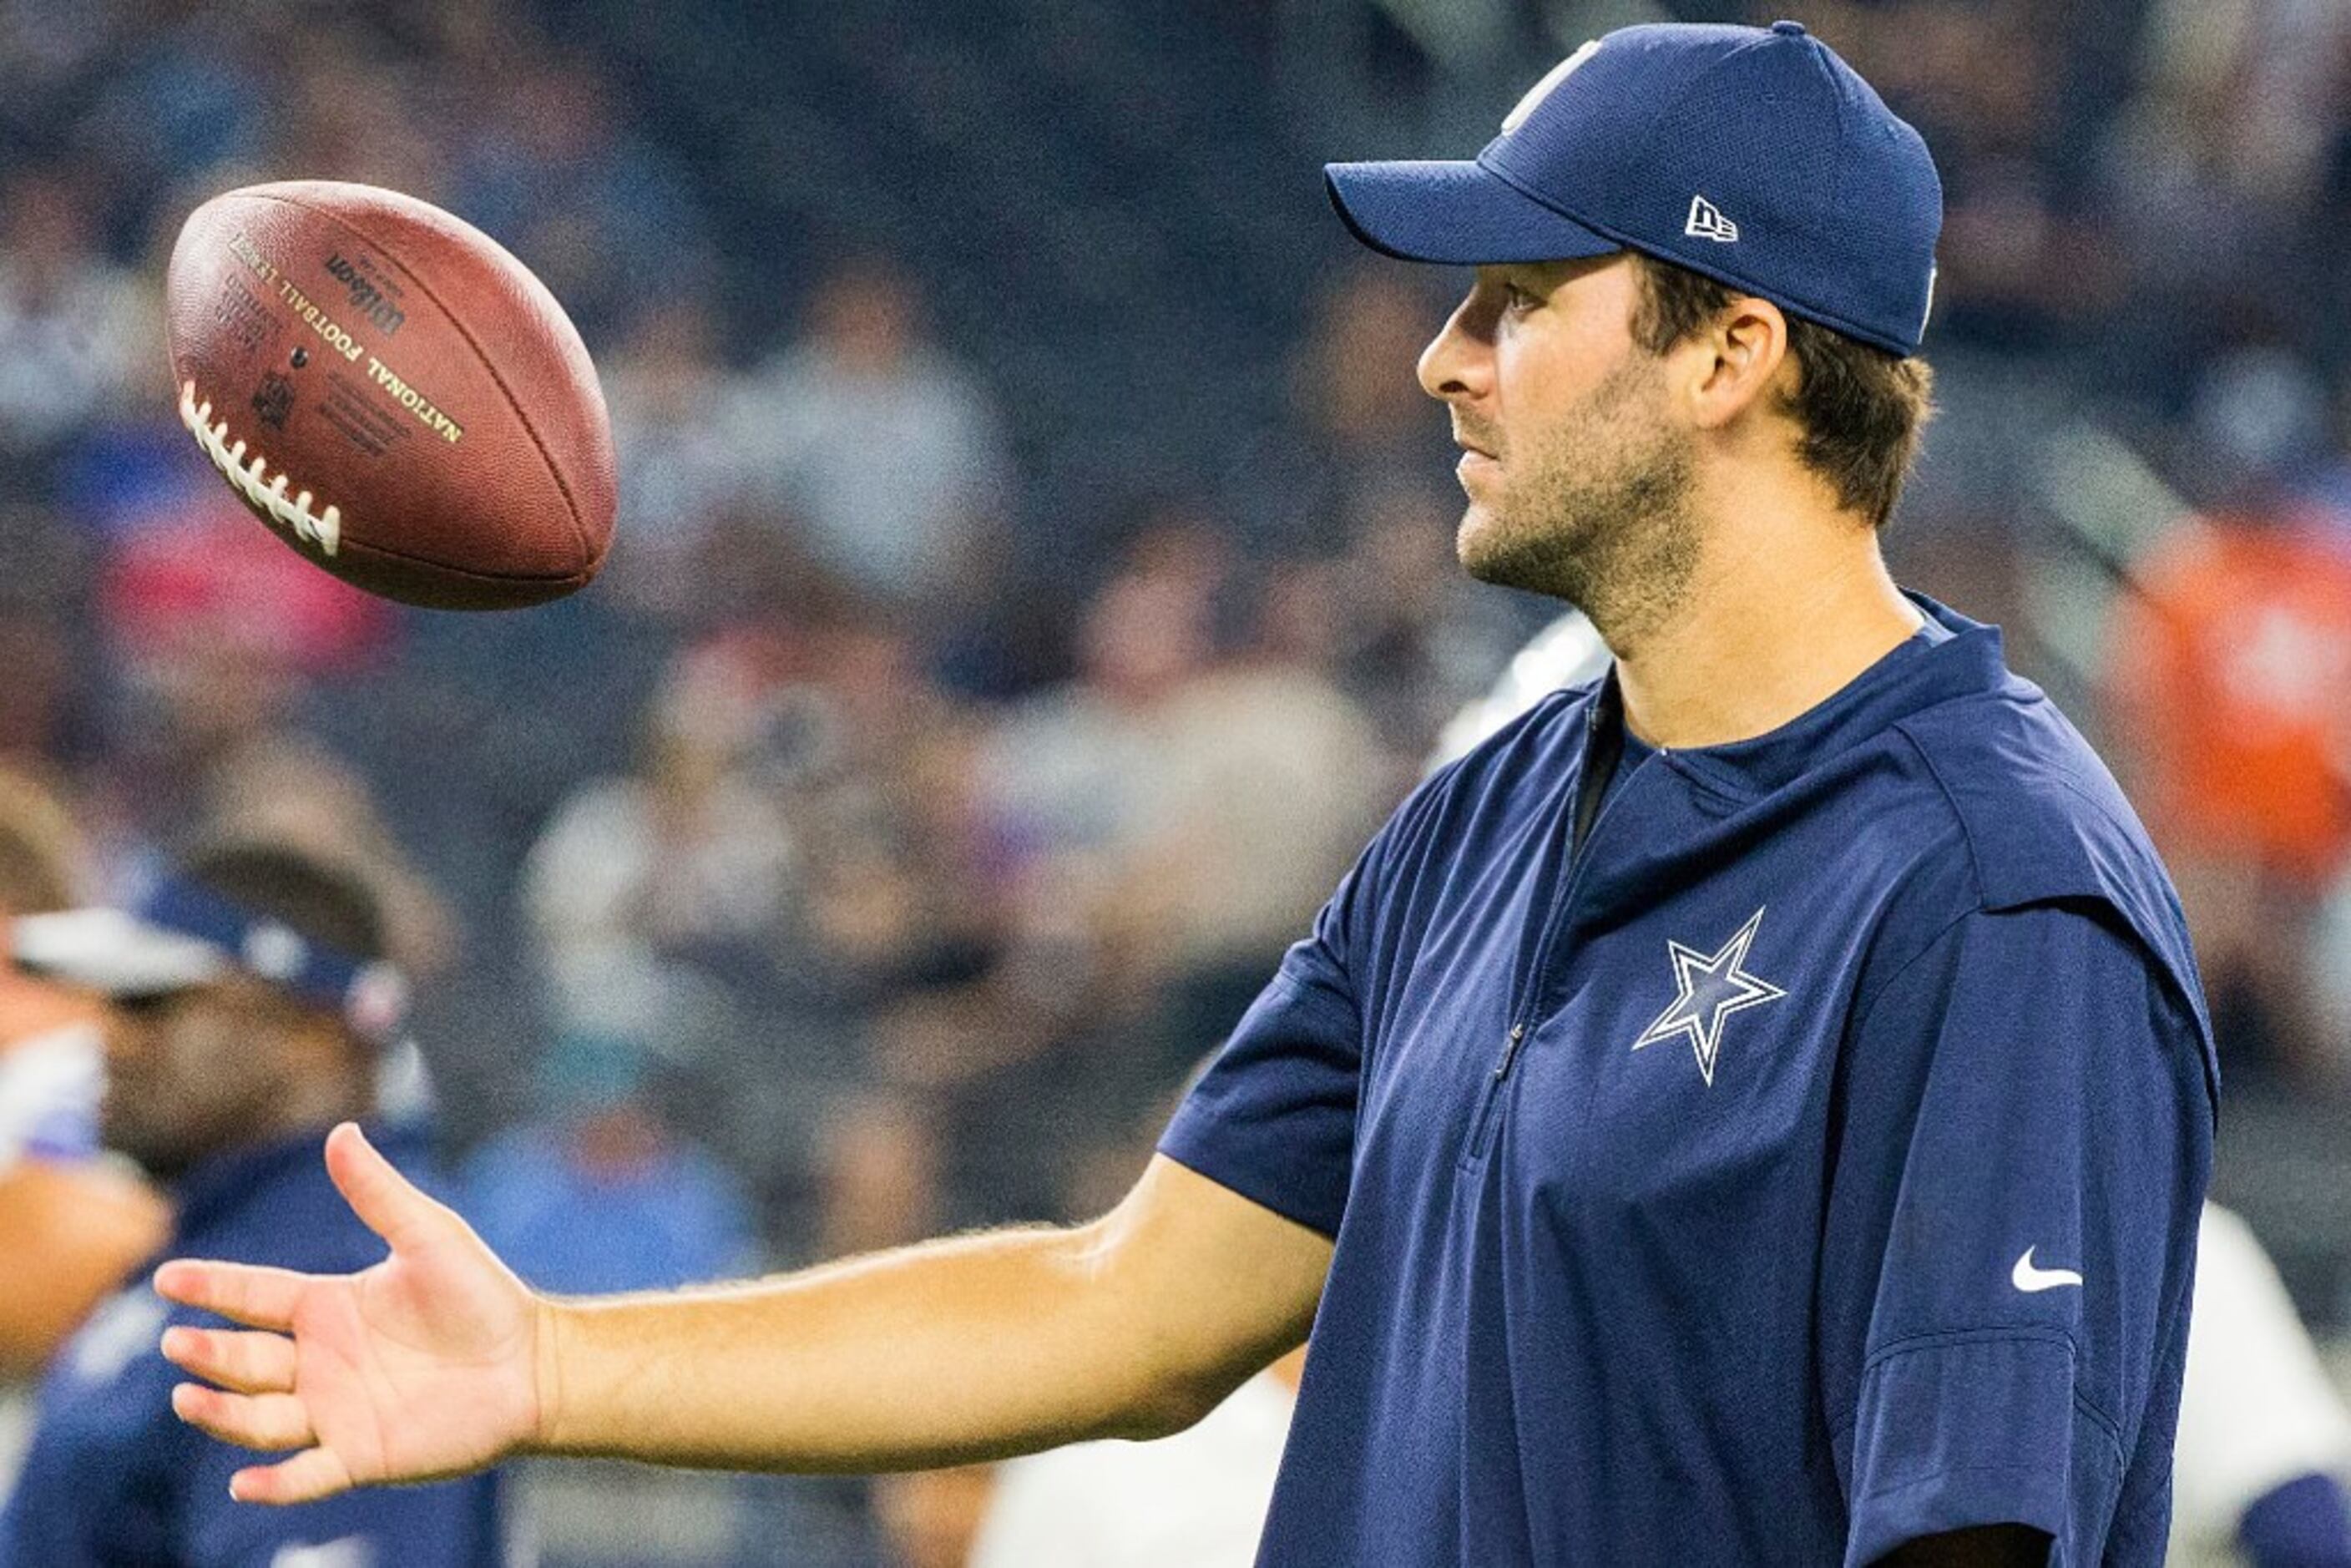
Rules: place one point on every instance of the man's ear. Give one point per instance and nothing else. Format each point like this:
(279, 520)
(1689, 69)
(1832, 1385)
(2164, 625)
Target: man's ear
(1740, 359)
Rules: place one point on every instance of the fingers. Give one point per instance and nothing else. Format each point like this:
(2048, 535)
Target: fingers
(306, 1476)
(382, 1199)
(273, 1422)
(257, 1297)
(241, 1363)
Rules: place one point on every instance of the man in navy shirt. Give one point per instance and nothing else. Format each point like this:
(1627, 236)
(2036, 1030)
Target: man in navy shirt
(1752, 1109)
(248, 1007)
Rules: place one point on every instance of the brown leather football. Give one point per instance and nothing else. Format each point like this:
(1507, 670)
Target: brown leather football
(394, 394)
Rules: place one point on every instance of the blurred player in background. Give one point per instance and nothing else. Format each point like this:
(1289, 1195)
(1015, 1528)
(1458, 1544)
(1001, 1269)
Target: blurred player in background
(1196, 1500)
(249, 1005)
(72, 1222)
(1859, 1234)
(2264, 1445)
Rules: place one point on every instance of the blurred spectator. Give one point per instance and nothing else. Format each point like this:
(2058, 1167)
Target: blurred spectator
(1416, 637)
(888, 452)
(362, 112)
(884, 1184)
(2330, 960)
(597, 1194)
(34, 700)
(1075, 783)
(249, 1003)
(72, 1224)
(208, 575)
(1198, 1500)
(683, 481)
(179, 91)
(557, 174)
(1163, 825)
(799, 840)
(1995, 87)
(929, 1517)
(1269, 778)
(696, 852)
(77, 332)
(1358, 427)
(221, 635)
(2230, 667)
(2226, 673)
(2264, 1451)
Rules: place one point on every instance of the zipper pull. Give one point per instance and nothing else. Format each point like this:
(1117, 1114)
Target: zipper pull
(1510, 1050)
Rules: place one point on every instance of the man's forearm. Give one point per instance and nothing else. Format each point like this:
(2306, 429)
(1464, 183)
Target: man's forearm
(970, 1348)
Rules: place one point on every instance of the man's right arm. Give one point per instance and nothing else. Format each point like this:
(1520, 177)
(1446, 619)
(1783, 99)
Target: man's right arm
(438, 1361)
(971, 1348)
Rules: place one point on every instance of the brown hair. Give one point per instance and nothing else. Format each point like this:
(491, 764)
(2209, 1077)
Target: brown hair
(1861, 408)
(41, 852)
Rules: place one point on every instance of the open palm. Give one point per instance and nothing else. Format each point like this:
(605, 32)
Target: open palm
(423, 1366)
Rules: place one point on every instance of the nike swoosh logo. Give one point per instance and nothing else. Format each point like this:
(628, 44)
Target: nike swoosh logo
(2028, 1279)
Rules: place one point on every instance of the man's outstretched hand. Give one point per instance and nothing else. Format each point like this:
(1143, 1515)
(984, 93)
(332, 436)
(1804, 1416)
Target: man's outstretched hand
(423, 1366)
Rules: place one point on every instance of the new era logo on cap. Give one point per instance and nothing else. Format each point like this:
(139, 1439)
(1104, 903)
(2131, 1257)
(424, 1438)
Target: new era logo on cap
(1707, 222)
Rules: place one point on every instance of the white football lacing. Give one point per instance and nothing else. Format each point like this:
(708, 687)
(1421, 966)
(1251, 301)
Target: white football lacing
(324, 528)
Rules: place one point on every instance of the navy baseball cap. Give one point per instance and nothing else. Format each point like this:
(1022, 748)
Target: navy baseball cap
(1753, 155)
(181, 935)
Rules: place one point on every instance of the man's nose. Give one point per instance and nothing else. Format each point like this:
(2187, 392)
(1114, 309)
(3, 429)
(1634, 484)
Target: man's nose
(1458, 361)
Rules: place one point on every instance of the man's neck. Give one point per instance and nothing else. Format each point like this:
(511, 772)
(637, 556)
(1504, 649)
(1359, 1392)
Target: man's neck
(1766, 634)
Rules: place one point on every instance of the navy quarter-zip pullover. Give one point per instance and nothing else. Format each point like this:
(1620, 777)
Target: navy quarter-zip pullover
(1803, 1158)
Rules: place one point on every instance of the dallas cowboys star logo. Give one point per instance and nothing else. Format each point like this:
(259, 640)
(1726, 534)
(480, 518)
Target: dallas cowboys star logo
(1713, 986)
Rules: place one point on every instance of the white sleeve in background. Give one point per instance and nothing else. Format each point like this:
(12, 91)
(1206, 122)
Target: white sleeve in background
(50, 1089)
(2257, 1408)
(1196, 1500)
(1562, 653)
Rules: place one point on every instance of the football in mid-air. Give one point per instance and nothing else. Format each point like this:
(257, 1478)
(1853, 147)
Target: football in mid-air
(393, 393)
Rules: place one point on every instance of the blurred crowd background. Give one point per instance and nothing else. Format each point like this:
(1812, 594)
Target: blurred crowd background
(1034, 578)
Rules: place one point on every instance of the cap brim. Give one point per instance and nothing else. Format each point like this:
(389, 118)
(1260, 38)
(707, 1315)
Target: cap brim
(112, 951)
(1460, 214)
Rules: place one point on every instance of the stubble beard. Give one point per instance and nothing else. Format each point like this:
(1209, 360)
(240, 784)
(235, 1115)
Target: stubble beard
(1597, 513)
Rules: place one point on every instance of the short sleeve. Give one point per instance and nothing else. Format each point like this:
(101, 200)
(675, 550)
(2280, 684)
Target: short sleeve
(2023, 1147)
(1273, 1116)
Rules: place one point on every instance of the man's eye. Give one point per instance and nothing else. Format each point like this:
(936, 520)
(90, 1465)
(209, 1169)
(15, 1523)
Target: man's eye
(1517, 299)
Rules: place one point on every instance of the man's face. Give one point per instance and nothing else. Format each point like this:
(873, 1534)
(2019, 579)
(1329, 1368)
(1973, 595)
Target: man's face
(1577, 473)
(191, 1072)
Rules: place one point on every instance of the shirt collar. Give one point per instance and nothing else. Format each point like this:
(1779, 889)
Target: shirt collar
(1926, 669)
